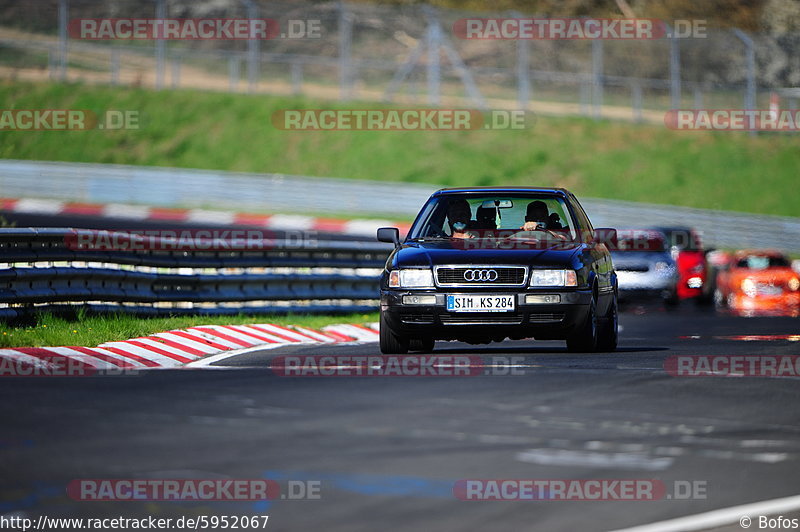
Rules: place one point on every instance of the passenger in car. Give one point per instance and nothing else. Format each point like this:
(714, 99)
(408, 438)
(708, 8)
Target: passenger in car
(484, 219)
(458, 217)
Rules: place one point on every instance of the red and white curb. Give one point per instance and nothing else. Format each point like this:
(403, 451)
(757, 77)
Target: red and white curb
(193, 347)
(199, 216)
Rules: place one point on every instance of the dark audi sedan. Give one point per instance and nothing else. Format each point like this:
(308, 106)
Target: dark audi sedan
(488, 263)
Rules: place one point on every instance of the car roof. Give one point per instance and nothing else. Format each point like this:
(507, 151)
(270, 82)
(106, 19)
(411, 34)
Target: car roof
(506, 189)
(672, 228)
(742, 253)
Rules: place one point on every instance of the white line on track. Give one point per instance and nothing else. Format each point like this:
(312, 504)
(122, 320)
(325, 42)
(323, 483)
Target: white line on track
(207, 361)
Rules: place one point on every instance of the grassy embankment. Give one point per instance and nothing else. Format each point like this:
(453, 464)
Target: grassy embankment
(193, 129)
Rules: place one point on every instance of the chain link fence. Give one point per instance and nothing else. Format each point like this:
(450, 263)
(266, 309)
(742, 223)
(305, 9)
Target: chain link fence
(338, 50)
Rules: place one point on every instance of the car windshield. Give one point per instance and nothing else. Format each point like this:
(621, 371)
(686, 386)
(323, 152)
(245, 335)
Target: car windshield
(683, 239)
(492, 216)
(629, 240)
(762, 262)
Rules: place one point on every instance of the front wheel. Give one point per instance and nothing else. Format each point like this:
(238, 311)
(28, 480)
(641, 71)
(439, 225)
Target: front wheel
(607, 336)
(391, 343)
(584, 338)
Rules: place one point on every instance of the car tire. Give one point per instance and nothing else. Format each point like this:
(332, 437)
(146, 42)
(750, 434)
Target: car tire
(608, 334)
(671, 300)
(584, 338)
(719, 300)
(421, 345)
(391, 343)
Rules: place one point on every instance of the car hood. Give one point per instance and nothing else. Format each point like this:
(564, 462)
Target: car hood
(427, 254)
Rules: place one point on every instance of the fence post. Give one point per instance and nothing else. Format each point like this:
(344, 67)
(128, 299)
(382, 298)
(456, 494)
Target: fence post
(345, 52)
(434, 68)
(584, 95)
(297, 77)
(750, 58)
(233, 72)
(114, 65)
(252, 49)
(62, 39)
(597, 77)
(161, 14)
(176, 71)
(698, 97)
(674, 69)
(636, 91)
(523, 71)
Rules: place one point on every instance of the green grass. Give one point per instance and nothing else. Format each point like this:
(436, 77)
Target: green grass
(90, 331)
(194, 129)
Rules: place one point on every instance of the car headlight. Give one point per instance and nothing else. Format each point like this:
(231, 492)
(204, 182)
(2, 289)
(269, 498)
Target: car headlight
(411, 278)
(749, 287)
(794, 284)
(553, 278)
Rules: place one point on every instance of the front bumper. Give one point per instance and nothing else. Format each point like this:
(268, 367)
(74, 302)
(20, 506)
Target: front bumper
(540, 320)
(645, 285)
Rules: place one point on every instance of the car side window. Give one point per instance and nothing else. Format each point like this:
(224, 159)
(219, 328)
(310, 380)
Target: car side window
(581, 218)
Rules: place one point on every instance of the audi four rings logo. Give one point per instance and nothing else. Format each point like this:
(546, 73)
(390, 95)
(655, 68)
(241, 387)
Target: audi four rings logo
(480, 275)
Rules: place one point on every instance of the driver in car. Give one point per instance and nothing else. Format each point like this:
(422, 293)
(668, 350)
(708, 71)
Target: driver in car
(458, 216)
(538, 218)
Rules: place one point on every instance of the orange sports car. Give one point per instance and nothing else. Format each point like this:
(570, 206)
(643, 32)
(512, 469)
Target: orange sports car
(759, 280)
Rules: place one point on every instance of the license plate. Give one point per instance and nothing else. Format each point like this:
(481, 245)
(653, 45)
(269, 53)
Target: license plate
(768, 290)
(480, 303)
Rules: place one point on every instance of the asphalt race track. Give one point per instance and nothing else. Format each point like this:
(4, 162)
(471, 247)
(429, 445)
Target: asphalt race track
(387, 451)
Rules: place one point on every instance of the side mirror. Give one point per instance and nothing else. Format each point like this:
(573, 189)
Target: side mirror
(390, 235)
(607, 236)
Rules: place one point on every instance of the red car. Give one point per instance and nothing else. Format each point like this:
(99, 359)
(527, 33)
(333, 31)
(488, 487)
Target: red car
(759, 280)
(687, 250)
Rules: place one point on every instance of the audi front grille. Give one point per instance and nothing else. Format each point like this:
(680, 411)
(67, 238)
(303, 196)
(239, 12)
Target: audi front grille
(481, 275)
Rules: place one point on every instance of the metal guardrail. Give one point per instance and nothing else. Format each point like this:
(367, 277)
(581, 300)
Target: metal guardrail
(42, 269)
(99, 183)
